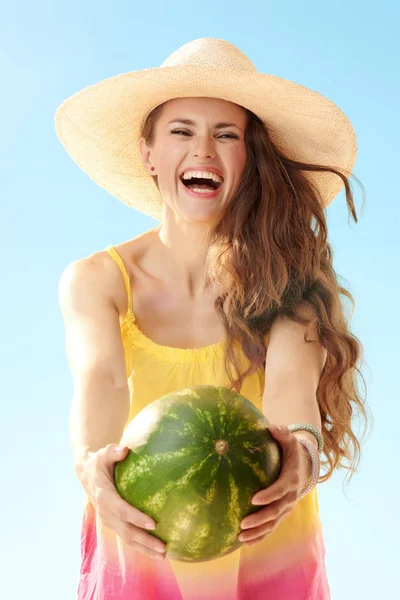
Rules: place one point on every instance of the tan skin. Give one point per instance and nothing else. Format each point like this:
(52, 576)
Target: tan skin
(162, 312)
(171, 302)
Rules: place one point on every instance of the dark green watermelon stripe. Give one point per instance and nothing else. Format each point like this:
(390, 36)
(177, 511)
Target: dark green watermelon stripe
(197, 496)
(157, 501)
(257, 471)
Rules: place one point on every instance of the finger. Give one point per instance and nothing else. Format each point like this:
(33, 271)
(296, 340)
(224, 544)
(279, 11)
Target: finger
(287, 485)
(113, 453)
(280, 432)
(268, 527)
(287, 481)
(252, 534)
(136, 522)
(283, 516)
(109, 500)
(274, 492)
(130, 514)
(265, 528)
(284, 437)
(124, 510)
(144, 550)
(130, 533)
(133, 535)
(256, 541)
(126, 520)
(270, 512)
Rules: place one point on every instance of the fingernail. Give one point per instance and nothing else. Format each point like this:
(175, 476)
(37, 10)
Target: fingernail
(150, 526)
(276, 427)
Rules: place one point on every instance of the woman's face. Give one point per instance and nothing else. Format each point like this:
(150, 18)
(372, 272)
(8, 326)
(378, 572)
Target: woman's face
(200, 145)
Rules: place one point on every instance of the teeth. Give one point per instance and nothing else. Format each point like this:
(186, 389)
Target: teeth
(204, 174)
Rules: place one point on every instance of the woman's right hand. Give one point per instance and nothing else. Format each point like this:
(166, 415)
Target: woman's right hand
(97, 477)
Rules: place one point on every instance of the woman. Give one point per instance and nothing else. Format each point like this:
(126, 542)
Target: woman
(238, 167)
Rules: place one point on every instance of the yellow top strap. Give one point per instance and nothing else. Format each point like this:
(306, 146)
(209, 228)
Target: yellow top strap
(118, 260)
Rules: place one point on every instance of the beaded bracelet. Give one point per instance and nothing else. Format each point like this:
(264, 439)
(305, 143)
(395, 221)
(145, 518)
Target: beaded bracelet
(313, 479)
(311, 429)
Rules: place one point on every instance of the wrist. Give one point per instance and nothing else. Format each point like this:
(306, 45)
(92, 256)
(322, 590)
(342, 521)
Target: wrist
(80, 459)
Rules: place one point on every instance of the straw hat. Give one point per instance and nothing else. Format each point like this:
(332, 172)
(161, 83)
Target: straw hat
(100, 125)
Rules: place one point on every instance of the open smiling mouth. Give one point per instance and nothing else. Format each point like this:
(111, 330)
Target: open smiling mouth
(201, 185)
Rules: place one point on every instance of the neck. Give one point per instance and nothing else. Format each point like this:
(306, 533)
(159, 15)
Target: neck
(181, 250)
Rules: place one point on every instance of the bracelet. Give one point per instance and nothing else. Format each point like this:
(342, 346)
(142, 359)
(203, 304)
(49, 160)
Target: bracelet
(313, 479)
(311, 429)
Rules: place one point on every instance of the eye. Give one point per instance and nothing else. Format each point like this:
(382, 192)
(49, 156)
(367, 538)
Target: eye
(180, 131)
(229, 135)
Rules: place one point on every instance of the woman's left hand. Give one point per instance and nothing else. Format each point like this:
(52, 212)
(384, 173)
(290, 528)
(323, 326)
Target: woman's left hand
(280, 497)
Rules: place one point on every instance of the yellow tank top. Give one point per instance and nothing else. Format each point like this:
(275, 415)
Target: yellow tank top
(288, 563)
(153, 370)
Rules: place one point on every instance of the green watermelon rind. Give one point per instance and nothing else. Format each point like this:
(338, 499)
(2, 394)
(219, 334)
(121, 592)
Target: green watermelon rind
(202, 492)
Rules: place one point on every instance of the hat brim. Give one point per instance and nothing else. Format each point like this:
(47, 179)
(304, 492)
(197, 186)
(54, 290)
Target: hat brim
(100, 125)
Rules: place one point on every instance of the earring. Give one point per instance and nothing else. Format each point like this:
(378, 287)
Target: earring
(151, 168)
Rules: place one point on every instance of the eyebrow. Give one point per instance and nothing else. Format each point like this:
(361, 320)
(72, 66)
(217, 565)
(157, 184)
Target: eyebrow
(217, 125)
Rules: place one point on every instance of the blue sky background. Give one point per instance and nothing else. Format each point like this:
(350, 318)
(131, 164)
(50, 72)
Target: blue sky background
(52, 214)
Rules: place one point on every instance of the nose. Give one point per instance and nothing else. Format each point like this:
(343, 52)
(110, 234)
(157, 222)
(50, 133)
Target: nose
(203, 147)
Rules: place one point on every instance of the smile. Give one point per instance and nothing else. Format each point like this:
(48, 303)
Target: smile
(199, 189)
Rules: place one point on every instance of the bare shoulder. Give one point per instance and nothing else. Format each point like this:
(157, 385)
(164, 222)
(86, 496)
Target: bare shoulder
(100, 276)
(92, 275)
(90, 316)
(89, 294)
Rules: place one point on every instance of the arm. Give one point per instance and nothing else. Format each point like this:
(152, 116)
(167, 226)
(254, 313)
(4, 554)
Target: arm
(100, 403)
(292, 372)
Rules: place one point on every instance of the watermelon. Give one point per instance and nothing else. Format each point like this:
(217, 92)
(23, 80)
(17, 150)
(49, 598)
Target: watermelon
(197, 456)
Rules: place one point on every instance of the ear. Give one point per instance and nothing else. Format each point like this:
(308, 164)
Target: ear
(146, 156)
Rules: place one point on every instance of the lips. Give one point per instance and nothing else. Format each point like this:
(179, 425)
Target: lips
(201, 195)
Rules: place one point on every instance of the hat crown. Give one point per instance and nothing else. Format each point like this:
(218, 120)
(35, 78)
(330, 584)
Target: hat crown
(210, 53)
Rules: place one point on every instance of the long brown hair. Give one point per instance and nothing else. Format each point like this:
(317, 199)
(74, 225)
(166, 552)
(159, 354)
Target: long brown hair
(269, 257)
